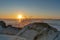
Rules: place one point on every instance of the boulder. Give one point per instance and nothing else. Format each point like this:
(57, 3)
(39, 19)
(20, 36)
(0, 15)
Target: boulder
(3, 24)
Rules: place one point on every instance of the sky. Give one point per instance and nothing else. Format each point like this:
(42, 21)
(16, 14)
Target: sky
(30, 8)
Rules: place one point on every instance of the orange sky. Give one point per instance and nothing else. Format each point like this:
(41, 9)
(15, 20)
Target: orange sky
(30, 8)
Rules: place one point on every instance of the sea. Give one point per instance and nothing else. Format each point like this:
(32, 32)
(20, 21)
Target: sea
(16, 23)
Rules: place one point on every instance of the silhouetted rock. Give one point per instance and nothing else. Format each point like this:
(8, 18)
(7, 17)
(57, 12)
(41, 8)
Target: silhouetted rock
(9, 26)
(3, 24)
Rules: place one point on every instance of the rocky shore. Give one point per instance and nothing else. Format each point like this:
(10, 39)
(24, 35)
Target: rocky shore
(32, 31)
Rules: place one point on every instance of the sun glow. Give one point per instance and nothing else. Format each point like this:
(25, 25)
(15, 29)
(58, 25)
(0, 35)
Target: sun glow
(20, 17)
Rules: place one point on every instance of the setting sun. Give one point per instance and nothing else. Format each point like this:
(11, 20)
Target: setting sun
(20, 17)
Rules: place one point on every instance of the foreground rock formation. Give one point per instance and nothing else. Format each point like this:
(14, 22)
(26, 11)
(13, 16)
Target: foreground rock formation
(40, 31)
(32, 31)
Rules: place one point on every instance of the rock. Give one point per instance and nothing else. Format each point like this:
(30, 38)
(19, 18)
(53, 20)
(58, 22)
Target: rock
(43, 32)
(33, 31)
(3, 24)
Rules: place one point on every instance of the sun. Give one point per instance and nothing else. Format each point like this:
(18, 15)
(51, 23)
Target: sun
(20, 17)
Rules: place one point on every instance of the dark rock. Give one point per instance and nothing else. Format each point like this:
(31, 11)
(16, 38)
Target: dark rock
(3, 24)
(39, 26)
(9, 26)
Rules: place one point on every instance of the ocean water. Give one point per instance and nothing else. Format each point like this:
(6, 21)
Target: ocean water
(16, 23)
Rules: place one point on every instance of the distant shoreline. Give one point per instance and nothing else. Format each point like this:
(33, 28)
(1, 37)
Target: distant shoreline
(30, 19)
